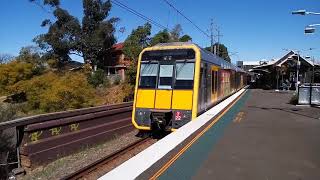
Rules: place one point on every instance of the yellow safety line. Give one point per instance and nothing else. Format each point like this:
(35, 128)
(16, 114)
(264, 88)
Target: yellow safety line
(168, 164)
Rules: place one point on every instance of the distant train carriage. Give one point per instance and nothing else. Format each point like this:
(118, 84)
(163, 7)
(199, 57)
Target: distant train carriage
(176, 82)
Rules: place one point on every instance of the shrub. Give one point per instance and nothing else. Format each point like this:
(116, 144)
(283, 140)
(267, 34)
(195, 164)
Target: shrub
(53, 92)
(97, 78)
(16, 71)
(7, 112)
(117, 80)
(131, 75)
(118, 94)
(294, 99)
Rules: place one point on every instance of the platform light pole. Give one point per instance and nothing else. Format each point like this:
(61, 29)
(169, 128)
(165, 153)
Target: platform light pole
(298, 67)
(296, 53)
(310, 29)
(304, 12)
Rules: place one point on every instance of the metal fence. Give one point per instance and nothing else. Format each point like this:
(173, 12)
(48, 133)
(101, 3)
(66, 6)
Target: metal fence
(309, 94)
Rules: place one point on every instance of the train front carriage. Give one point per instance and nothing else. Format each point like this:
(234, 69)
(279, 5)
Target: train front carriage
(165, 88)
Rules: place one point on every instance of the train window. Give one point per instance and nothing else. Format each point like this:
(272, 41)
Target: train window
(148, 75)
(184, 75)
(165, 77)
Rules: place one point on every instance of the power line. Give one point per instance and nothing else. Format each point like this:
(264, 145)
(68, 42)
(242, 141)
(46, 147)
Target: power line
(187, 18)
(125, 7)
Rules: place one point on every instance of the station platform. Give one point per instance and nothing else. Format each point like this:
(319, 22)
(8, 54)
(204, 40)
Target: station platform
(260, 137)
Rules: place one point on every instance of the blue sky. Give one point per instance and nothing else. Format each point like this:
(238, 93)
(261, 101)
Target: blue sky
(254, 29)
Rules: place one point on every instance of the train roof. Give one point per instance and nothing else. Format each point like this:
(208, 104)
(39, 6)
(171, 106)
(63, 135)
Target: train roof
(205, 55)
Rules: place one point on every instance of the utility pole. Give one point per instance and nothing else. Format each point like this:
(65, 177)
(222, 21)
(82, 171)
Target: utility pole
(218, 51)
(214, 48)
(211, 35)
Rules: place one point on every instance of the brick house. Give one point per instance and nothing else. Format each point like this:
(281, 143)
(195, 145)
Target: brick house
(117, 63)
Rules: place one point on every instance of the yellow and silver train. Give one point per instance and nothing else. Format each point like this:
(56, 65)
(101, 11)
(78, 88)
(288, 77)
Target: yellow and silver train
(176, 82)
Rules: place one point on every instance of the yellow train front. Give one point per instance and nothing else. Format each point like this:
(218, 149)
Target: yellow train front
(176, 82)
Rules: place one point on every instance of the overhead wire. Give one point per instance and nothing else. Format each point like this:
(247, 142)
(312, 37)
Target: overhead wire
(129, 9)
(184, 16)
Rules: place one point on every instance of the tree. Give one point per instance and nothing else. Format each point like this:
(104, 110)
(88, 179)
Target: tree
(185, 38)
(133, 45)
(29, 54)
(223, 51)
(161, 37)
(5, 58)
(62, 36)
(91, 39)
(137, 41)
(97, 34)
(176, 32)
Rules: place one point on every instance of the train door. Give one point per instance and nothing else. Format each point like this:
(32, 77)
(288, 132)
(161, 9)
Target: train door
(209, 86)
(214, 84)
(165, 81)
(202, 94)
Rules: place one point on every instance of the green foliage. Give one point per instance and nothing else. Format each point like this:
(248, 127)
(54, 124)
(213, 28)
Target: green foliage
(62, 35)
(185, 38)
(97, 31)
(117, 80)
(29, 54)
(92, 39)
(136, 41)
(172, 36)
(97, 78)
(223, 51)
(131, 74)
(52, 92)
(161, 37)
(7, 112)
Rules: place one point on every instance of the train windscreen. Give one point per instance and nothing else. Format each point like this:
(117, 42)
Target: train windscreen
(184, 75)
(148, 75)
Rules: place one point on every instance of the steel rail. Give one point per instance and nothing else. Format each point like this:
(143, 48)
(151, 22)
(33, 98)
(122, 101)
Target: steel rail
(105, 160)
(58, 115)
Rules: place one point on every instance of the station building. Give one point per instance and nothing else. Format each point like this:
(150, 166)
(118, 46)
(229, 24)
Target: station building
(282, 72)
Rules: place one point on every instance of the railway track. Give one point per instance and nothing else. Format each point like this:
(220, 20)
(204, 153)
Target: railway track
(44, 138)
(106, 164)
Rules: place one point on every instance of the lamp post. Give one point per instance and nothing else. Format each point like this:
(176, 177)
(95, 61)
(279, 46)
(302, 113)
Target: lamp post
(298, 67)
(310, 29)
(304, 12)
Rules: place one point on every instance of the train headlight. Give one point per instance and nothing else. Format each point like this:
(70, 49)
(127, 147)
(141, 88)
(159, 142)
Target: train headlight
(142, 117)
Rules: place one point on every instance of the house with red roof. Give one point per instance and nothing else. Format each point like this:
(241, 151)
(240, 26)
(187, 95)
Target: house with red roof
(117, 63)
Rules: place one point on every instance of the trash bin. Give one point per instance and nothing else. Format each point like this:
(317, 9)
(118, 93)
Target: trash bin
(304, 94)
(315, 95)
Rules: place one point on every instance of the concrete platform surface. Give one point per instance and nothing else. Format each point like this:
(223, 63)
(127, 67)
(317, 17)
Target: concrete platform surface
(260, 137)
